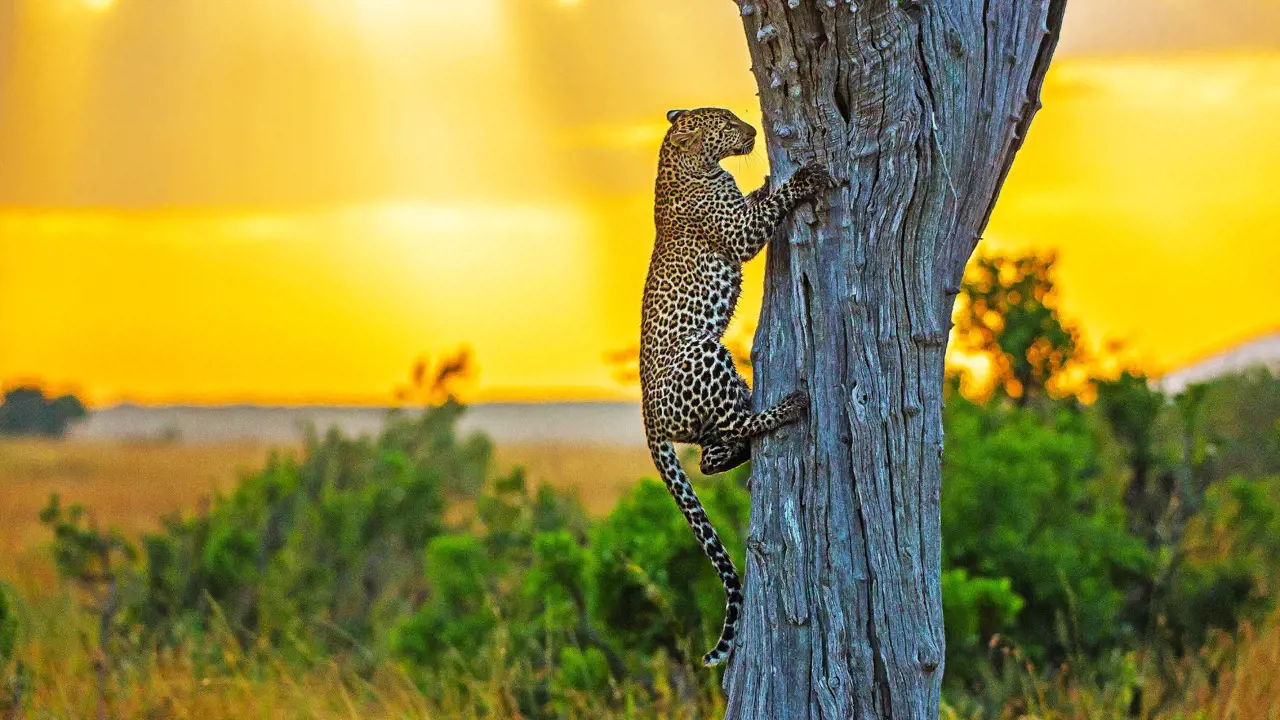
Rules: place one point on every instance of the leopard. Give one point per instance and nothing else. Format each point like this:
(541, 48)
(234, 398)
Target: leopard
(691, 389)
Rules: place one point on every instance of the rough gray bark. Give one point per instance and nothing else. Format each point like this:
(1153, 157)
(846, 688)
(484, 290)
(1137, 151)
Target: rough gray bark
(917, 107)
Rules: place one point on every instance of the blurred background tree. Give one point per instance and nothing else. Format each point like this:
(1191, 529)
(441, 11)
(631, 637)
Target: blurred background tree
(26, 410)
(1008, 312)
(436, 384)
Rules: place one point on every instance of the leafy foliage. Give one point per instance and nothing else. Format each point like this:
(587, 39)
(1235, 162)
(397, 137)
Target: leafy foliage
(653, 586)
(1008, 311)
(8, 628)
(1227, 570)
(1242, 414)
(1022, 501)
(975, 609)
(13, 676)
(316, 554)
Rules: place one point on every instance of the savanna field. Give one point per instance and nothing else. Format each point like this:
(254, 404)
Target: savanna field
(1110, 550)
(129, 486)
(55, 664)
(248, 219)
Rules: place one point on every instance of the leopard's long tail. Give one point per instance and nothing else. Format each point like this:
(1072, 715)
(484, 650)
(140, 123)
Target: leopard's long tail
(668, 464)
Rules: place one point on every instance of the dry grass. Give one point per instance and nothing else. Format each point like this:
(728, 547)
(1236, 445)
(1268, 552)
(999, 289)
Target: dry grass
(60, 673)
(125, 485)
(597, 474)
(1249, 686)
(62, 678)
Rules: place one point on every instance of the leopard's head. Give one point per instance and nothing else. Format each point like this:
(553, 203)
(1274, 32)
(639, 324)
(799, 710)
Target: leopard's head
(707, 135)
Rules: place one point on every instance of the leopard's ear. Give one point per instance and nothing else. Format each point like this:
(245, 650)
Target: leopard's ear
(687, 140)
(673, 114)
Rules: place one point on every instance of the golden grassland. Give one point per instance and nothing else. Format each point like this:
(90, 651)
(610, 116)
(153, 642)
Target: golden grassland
(130, 485)
(127, 485)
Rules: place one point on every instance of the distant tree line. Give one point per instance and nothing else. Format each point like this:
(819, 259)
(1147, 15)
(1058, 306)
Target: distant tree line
(26, 410)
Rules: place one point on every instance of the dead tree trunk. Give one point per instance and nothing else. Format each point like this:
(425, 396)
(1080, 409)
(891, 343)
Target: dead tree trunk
(917, 107)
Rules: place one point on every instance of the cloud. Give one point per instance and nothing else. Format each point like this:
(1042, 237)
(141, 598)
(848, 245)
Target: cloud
(184, 103)
(1169, 26)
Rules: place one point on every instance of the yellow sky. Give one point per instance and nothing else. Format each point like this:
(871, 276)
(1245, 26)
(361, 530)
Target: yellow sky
(289, 201)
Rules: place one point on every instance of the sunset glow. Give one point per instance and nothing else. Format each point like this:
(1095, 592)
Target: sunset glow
(290, 201)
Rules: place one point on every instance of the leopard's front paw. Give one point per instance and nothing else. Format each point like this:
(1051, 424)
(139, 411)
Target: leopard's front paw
(811, 180)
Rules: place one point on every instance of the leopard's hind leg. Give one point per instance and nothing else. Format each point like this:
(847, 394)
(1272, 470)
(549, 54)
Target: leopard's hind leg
(731, 423)
(720, 457)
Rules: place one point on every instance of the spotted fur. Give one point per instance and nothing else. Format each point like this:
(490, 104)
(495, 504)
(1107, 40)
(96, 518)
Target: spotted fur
(692, 392)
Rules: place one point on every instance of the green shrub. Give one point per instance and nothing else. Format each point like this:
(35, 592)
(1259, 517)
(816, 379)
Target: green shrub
(460, 616)
(319, 553)
(8, 629)
(975, 609)
(652, 585)
(1229, 569)
(1242, 416)
(1022, 500)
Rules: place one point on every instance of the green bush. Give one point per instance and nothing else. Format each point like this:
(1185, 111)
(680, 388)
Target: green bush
(8, 629)
(317, 554)
(1242, 415)
(1023, 500)
(1229, 569)
(460, 616)
(975, 609)
(652, 585)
